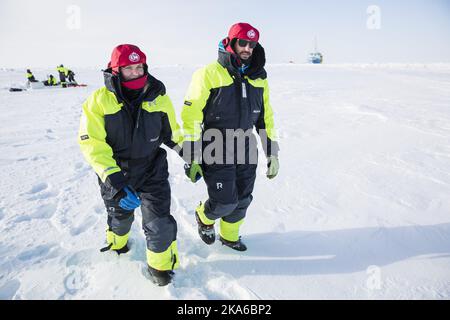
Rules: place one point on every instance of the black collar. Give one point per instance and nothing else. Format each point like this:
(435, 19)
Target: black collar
(152, 89)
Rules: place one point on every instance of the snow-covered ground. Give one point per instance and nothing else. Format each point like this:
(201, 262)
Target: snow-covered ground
(360, 209)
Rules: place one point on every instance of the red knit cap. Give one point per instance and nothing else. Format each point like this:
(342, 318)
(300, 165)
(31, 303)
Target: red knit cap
(125, 54)
(244, 31)
(241, 30)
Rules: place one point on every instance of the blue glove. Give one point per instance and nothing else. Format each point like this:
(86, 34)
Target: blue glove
(129, 199)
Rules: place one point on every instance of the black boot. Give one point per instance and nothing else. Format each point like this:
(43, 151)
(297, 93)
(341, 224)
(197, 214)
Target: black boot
(160, 278)
(120, 251)
(236, 245)
(206, 232)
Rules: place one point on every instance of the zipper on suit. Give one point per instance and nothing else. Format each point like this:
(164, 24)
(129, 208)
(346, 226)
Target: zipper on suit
(244, 90)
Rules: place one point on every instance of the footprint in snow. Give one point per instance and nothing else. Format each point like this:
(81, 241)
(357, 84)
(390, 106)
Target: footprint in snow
(89, 222)
(45, 211)
(9, 289)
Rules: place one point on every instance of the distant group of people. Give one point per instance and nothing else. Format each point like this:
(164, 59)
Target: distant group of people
(66, 77)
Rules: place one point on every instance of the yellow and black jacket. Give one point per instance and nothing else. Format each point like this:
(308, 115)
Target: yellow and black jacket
(220, 97)
(30, 77)
(114, 130)
(63, 70)
(52, 81)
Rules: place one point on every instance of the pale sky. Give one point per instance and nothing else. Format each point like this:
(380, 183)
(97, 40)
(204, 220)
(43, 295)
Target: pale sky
(47, 33)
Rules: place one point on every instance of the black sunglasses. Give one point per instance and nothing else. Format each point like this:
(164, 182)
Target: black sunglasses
(243, 43)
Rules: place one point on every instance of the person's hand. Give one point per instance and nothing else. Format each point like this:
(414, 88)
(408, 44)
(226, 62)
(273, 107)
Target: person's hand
(272, 167)
(193, 171)
(128, 199)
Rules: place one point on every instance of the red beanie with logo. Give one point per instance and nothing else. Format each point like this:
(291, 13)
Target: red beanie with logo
(244, 31)
(241, 30)
(124, 55)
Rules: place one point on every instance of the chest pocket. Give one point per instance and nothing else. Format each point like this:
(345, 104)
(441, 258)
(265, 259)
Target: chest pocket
(118, 131)
(255, 96)
(222, 107)
(150, 134)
